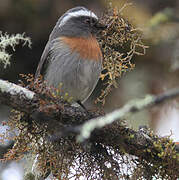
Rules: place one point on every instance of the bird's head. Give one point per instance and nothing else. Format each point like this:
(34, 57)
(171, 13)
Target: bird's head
(77, 22)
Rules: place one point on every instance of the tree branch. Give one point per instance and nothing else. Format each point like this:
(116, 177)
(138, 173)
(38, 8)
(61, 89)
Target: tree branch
(16, 97)
(133, 106)
(104, 130)
(27, 101)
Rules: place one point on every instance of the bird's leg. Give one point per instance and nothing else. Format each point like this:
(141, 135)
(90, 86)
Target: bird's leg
(80, 103)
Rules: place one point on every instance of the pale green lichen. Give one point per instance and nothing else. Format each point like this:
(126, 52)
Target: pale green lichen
(10, 41)
(14, 89)
(133, 105)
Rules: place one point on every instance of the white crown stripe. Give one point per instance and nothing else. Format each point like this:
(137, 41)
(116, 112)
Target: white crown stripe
(77, 14)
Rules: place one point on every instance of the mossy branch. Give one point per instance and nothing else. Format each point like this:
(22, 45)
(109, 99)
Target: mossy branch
(26, 101)
(131, 107)
(101, 130)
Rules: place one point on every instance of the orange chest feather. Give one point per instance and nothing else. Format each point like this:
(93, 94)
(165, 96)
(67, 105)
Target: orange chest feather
(88, 48)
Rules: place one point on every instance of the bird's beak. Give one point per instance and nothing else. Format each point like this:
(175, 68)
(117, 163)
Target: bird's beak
(100, 26)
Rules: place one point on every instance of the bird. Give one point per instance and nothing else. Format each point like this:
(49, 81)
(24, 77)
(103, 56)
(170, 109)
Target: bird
(72, 56)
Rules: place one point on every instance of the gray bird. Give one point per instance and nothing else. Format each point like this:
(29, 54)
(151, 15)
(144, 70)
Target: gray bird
(72, 56)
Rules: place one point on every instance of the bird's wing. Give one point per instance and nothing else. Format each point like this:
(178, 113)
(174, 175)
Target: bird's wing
(45, 55)
(43, 60)
(53, 49)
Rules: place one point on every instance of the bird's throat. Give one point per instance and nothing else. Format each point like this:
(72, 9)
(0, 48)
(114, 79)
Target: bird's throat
(88, 48)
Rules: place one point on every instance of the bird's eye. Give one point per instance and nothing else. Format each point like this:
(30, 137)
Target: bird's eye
(87, 21)
(90, 21)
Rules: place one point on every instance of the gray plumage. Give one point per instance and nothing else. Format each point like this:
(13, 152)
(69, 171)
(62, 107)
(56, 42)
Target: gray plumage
(78, 76)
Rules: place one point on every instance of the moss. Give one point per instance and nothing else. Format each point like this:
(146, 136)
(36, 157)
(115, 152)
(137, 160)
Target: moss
(29, 176)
